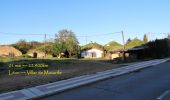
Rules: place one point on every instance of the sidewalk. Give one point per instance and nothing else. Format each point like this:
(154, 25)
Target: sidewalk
(51, 88)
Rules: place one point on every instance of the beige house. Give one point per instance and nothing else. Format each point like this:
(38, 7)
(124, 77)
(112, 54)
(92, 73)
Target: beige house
(37, 54)
(114, 54)
(9, 51)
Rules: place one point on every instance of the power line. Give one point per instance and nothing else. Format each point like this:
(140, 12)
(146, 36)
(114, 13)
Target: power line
(157, 33)
(17, 34)
(94, 35)
(100, 34)
(86, 37)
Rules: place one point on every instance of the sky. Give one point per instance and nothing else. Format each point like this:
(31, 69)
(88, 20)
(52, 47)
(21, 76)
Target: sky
(100, 21)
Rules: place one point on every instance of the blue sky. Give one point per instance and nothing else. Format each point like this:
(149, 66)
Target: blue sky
(84, 17)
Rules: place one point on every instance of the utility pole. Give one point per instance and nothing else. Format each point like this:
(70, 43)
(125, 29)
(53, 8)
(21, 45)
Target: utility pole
(45, 45)
(123, 40)
(123, 45)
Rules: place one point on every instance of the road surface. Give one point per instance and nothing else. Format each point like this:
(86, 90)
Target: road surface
(152, 83)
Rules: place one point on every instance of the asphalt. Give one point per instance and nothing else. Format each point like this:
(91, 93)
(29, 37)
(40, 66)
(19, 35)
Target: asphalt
(147, 84)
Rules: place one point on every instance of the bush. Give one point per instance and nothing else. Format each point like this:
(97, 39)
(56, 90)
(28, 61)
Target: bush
(159, 48)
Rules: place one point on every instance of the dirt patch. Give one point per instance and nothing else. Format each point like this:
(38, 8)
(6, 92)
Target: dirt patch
(69, 69)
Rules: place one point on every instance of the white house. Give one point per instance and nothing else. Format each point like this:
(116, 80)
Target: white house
(92, 53)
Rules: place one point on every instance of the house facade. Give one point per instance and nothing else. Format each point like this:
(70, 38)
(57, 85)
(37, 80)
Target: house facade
(139, 52)
(37, 54)
(9, 51)
(113, 54)
(92, 53)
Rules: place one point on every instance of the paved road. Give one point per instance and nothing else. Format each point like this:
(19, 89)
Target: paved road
(146, 84)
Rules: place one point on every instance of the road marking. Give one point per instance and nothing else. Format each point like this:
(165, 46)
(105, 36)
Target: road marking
(163, 95)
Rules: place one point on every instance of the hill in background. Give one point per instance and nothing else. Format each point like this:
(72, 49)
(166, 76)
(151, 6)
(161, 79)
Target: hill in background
(133, 43)
(113, 45)
(92, 45)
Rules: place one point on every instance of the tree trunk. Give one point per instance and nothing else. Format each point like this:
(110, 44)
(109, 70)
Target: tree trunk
(69, 54)
(59, 56)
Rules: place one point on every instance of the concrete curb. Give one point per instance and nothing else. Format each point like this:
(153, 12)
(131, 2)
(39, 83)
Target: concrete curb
(51, 88)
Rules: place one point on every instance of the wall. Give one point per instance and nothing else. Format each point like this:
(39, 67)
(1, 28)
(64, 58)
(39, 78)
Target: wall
(92, 53)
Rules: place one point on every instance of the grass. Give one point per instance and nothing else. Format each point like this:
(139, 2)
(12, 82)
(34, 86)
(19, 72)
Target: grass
(9, 59)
